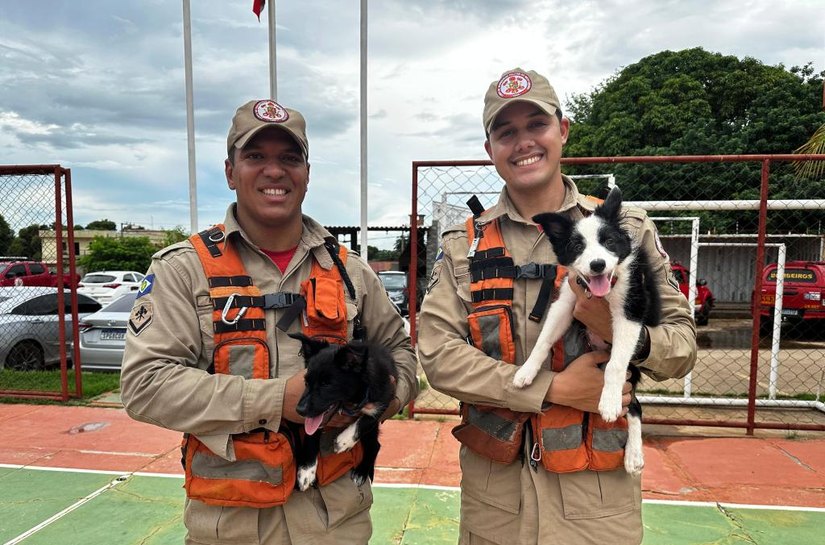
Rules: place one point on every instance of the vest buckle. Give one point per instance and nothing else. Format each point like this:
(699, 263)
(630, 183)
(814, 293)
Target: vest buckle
(227, 306)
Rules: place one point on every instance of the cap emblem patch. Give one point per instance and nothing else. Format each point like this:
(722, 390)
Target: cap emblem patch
(271, 111)
(514, 84)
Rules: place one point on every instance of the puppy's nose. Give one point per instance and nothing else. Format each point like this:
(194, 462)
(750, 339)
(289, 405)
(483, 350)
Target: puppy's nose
(301, 408)
(597, 265)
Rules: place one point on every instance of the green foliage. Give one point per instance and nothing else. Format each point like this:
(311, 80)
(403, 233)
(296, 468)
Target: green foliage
(27, 242)
(6, 236)
(694, 102)
(174, 236)
(102, 225)
(118, 253)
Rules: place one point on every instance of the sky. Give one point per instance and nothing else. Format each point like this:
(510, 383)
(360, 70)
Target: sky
(98, 86)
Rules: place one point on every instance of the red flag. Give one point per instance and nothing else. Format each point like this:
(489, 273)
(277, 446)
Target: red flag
(258, 7)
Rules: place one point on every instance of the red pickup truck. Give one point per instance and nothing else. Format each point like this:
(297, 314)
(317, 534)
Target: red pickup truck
(704, 297)
(803, 295)
(28, 273)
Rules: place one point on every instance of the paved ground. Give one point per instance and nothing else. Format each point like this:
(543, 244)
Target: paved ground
(416, 501)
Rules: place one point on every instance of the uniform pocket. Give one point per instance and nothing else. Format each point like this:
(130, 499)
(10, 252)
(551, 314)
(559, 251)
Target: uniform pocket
(342, 499)
(591, 494)
(498, 485)
(213, 524)
(204, 310)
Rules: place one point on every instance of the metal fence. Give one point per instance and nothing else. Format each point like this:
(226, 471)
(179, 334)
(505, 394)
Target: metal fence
(724, 218)
(38, 302)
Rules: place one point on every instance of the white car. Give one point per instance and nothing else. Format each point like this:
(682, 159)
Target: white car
(103, 335)
(106, 286)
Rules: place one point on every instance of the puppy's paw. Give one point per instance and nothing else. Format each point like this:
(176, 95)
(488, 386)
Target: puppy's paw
(525, 375)
(357, 477)
(634, 460)
(610, 405)
(346, 439)
(306, 476)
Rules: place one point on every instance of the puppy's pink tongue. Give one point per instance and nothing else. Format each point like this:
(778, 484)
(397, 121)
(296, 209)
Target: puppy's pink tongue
(312, 424)
(599, 285)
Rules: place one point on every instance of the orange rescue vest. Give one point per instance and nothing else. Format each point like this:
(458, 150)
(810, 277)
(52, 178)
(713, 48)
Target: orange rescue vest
(566, 439)
(263, 473)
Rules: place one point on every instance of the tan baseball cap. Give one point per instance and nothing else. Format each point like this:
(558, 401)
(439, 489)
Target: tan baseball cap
(256, 115)
(518, 85)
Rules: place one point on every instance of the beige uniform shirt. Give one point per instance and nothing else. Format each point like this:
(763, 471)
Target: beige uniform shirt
(164, 382)
(515, 504)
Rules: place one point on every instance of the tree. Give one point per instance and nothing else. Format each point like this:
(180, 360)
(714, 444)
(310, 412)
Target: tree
(118, 253)
(28, 242)
(102, 225)
(173, 236)
(6, 236)
(694, 102)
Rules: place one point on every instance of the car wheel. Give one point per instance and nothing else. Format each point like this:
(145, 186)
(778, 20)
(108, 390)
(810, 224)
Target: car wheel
(25, 356)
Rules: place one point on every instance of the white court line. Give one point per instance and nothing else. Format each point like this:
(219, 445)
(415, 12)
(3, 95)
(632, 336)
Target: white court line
(681, 503)
(66, 511)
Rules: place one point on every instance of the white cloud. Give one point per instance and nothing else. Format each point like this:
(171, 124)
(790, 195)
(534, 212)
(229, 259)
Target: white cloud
(99, 86)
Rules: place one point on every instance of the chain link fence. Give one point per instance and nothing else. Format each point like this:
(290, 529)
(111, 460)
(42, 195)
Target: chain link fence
(737, 227)
(38, 299)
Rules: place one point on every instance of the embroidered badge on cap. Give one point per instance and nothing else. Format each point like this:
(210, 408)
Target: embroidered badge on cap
(269, 110)
(141, 317)
(514, 84)
(146, 285)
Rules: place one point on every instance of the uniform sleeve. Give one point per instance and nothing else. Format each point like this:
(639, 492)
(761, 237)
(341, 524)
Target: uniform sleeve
(452, 365)
(673, 341)
(163, 378)
(386, 327)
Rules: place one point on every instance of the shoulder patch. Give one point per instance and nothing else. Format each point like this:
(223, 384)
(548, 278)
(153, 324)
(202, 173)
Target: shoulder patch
(141, 317)
(146, 285)
(659, 246)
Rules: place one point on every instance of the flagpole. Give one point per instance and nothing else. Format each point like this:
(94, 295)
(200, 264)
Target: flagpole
(190, 119)
(273, 76)
(364, 246)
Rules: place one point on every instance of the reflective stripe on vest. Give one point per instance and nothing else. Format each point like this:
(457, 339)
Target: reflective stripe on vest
(264, 472)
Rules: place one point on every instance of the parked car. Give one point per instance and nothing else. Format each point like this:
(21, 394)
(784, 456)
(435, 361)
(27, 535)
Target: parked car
(703, 304)
(103, 335)
(16, 272)
(803, 294)
(395, 282)
(106, 286)
(29, 322)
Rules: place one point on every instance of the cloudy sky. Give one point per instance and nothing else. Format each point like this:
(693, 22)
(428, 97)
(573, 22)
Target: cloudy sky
(98, 85)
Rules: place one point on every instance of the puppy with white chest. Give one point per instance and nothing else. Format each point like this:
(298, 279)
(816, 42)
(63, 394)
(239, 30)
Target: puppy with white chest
(353, 379)
(600, 252)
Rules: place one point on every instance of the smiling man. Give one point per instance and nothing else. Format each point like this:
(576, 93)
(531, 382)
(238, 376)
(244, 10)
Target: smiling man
(533, 469)
(208, 351)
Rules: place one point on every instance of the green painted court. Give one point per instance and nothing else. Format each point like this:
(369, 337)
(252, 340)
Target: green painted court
(48, 507)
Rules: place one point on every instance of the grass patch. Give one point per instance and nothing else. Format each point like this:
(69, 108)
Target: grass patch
(94, 384)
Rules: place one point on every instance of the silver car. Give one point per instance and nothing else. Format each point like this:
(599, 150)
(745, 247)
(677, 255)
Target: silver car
(103, 335)
(29, 325)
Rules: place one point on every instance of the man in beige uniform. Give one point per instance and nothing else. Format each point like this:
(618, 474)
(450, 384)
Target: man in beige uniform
(522, 503)
(170, 345)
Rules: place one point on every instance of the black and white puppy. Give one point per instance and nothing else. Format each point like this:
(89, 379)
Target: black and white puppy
(599, 251)
(352, 379)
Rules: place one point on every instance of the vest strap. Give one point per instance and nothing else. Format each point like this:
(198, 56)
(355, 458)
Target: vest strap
(254, 324)
(492, 294)
(279, 300)
(241, 281)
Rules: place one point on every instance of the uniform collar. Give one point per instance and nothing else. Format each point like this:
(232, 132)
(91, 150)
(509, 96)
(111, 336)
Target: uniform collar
(505, 206)
(313, 236)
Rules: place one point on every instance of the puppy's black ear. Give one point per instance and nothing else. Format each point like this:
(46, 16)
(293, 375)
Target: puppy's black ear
(556, 226)
(309, 346)
(609, 209)
(352, 357)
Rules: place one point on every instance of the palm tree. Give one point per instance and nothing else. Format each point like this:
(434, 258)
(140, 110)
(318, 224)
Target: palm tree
(816, 144)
